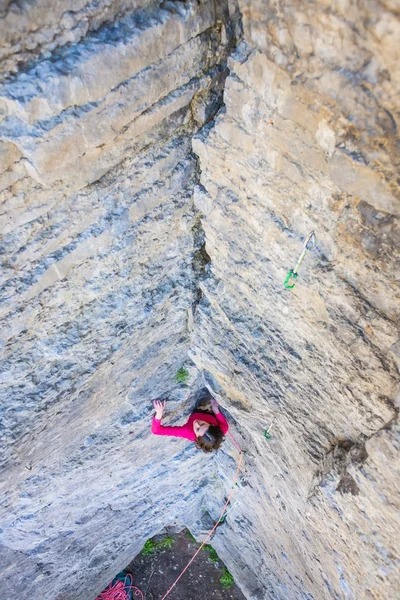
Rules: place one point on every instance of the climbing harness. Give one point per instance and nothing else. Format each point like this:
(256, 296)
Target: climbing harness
(309, 243)
(218, 521)
(267, 434)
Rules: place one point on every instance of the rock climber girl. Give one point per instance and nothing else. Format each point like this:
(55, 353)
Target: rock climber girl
(206, 428)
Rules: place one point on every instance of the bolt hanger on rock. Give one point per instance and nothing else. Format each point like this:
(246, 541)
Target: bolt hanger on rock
(309, 243)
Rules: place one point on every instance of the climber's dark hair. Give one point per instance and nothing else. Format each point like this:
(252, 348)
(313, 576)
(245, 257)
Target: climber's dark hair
(212, 439)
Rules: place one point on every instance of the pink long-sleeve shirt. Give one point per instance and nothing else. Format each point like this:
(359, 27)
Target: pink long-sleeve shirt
(186, 431)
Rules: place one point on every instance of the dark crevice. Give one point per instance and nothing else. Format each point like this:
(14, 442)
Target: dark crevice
(205, 106)
(201, 260)
(344, 454)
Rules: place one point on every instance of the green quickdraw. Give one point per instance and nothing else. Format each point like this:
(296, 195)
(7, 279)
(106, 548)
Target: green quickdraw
(293, 273)
(223, 518)
(267, 433)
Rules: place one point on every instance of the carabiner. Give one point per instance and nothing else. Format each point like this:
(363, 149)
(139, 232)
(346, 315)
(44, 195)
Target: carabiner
(288, 277)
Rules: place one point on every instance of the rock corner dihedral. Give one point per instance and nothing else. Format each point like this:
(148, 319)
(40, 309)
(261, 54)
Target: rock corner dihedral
(161, 165)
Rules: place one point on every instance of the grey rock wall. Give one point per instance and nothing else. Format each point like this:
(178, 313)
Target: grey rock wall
(161, 165)
(101, 255)
(307, 142)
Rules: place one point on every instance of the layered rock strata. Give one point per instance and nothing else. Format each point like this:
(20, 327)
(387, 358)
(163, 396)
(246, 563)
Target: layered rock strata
(140, 234)
(101, 249)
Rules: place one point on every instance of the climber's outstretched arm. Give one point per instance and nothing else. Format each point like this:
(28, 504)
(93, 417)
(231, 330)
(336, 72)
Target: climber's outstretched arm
(158, 429)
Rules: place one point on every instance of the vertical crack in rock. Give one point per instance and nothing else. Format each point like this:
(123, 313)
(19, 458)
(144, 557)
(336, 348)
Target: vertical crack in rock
(201, 260)
(205, 107)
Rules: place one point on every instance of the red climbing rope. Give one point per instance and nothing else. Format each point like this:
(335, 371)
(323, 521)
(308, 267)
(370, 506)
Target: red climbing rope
(118, 590)
(220, 517)
(235, 442)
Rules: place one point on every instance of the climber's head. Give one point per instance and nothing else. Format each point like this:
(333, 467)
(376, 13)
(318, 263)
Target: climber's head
(211, 439)
(200, 427)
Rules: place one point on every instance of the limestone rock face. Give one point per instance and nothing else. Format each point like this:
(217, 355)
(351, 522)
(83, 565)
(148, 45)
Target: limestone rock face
(161, 165)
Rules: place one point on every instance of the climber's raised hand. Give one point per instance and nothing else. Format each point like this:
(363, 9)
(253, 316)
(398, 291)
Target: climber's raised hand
(159, 406)
(214, 405)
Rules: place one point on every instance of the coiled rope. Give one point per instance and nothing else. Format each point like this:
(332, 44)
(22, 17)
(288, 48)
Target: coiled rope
(118, 590)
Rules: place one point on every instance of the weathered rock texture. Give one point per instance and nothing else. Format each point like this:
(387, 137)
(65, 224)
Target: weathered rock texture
(161, 165)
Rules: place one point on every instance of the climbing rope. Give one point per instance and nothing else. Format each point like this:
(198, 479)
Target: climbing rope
(309, 243)
(219, 519)
(118, 591)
